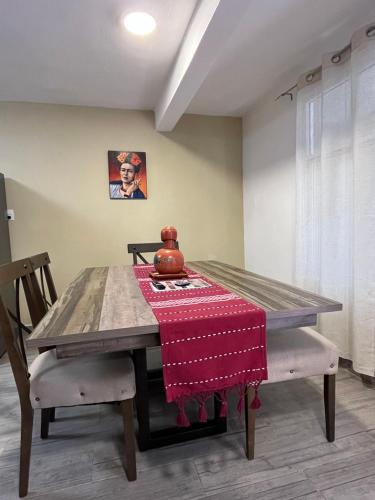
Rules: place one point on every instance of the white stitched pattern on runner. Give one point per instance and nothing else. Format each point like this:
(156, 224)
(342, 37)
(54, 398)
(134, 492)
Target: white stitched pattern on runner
(206, 309)
(232, 313)
(179, 363)
(215, 378)
(195, 300)
(176, 295)
(239, 330)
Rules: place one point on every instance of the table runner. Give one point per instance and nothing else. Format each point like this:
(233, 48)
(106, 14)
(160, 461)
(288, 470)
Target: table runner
(212, 340)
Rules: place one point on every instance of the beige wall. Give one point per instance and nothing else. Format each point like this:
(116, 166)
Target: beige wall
(55, 162)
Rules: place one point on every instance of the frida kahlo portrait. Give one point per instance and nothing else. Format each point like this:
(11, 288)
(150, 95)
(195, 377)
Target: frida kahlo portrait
(127, 175)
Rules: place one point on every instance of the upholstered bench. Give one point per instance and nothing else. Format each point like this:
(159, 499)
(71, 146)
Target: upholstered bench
(298, 353)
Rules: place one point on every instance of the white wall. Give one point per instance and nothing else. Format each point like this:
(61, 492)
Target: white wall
(269, 142)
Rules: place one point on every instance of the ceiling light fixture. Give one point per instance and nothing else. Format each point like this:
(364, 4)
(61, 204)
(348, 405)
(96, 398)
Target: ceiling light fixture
(139, 23)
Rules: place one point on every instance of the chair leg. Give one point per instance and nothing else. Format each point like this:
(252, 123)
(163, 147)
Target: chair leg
(26, 440)
(329, 405)
(44, 425)
(250, 423)
(129, 438)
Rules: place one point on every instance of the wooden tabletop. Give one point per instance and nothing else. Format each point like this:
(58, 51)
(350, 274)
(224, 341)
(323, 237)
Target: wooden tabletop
(103, 309)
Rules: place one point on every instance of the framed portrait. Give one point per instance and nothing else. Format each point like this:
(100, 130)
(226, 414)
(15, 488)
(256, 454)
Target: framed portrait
(127, 175)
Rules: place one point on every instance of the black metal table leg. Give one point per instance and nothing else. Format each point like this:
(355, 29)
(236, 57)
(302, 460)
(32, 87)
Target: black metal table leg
(147, 438)
(142, 398)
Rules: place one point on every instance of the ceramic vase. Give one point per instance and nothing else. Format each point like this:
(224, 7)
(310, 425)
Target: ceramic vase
(169, 260)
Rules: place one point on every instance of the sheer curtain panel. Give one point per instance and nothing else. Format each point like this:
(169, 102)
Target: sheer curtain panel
(335, 234)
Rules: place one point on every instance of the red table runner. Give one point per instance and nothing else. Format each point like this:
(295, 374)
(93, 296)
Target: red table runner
(212, 340)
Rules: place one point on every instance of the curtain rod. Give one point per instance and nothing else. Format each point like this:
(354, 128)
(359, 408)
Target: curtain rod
(335, 59)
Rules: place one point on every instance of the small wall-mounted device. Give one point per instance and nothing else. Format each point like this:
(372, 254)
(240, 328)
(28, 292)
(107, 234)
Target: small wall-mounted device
(10, 214)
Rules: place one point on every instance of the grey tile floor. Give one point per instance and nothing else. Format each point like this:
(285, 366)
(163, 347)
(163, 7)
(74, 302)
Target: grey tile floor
(81, 459)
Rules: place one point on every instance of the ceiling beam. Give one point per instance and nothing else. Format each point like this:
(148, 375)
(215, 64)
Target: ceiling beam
(212, 24)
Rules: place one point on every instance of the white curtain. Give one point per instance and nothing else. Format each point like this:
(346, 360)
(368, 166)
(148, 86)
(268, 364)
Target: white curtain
(335, 234)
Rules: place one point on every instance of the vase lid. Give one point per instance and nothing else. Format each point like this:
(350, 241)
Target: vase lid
(168, 233)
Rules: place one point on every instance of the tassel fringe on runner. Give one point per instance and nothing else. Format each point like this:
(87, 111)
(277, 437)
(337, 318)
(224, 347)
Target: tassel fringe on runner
(202, 398)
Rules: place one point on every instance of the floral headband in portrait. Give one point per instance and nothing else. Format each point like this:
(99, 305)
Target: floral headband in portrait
(131, 158)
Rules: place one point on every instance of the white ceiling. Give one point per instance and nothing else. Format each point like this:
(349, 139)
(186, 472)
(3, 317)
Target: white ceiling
(275, 41)
(76, 51)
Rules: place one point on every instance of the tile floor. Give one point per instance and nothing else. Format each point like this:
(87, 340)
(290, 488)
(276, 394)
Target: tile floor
(81, 459)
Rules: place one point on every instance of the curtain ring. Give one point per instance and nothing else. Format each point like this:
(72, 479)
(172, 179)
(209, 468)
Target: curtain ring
(309, 77)
(336, 58)
(370, 32)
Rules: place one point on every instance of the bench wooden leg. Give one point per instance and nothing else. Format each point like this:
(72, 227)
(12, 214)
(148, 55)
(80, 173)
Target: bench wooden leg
(250, 423)
(329, 405)
(129, 438)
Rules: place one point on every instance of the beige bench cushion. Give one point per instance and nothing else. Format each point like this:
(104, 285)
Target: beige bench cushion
(297, 353)
(84, 380)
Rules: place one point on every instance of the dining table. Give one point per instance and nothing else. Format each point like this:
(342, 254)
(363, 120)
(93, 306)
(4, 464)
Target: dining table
(103, 310)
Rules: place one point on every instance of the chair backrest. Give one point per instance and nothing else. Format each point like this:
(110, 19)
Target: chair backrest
(39, 304)
(22, 270)
(41, 261)
(10, 273)
(138, 248)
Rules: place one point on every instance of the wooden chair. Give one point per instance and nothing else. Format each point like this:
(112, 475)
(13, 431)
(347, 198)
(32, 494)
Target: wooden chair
(50, 382)
(138, 248)
(292, 354)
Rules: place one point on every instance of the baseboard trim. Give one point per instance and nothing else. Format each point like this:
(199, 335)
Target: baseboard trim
(366, 379)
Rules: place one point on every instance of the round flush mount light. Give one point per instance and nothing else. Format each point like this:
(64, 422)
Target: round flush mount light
(139, 23)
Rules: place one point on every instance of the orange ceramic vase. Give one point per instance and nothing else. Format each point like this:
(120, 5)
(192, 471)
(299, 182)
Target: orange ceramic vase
(169, 260)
